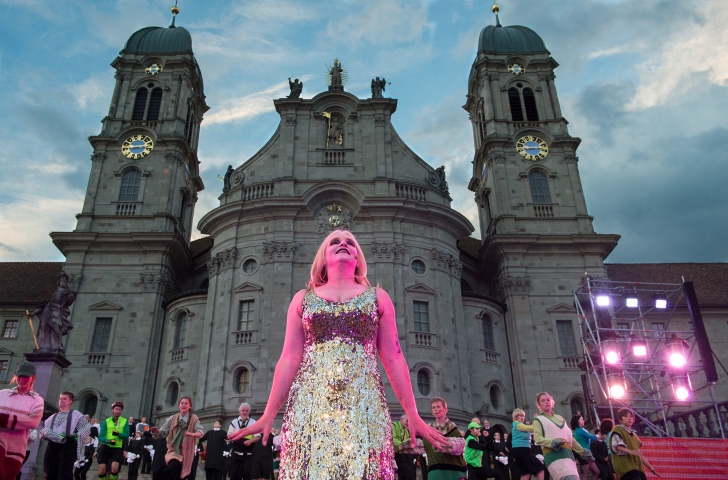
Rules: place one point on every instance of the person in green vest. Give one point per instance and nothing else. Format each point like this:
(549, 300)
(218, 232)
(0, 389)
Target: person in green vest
(114, 430)
(477, 469)
(405, 461)
(627, 459)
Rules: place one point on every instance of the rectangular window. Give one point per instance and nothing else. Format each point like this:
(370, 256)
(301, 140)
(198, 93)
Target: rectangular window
(658, 329)
(245, 318)
(102, 332)
(422, 321)
(11, 329)
(488, 343)
(4, 370)
(623, 326)
(566, 338)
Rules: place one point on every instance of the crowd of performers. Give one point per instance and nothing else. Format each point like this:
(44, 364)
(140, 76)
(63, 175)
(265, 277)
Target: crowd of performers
(548, 447)
(336, 425)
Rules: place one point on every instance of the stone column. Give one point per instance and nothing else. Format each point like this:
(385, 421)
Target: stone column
(49, 370)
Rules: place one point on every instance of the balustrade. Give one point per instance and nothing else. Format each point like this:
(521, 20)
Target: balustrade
(411, 191)
(703, 422)
(178, 354)
(244, 337)
(128, 208)
(261, 190)
(96, 359)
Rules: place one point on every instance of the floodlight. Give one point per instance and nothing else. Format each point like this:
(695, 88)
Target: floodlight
(610, 351)
(603, 300)
(675, 347)
(660, 301)
(616, 385)
(681, 387)
(632, 302)
(638, 346)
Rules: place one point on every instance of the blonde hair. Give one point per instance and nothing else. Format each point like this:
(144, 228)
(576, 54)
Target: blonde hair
(517, 412)
(541, 394)
(438, 400)
(318, 267)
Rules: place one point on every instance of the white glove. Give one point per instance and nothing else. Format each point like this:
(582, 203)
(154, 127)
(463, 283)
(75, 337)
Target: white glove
(79, 463)
(503, 460)
(33, 435)
(540, 457)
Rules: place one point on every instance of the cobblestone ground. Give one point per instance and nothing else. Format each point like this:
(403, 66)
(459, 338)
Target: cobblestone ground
(93, 474)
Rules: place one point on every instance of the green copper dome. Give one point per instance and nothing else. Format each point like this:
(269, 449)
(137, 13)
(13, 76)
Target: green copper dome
(513, 39)
(159, 40)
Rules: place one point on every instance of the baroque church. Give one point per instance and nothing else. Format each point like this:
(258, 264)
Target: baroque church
(485, 324)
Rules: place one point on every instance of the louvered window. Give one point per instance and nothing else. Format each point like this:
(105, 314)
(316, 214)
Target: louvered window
(140, 104)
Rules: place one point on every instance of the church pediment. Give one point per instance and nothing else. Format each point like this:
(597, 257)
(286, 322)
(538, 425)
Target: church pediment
(5, 351)
(105, 305)
(248, 287)
(420, 288)
(561, 308)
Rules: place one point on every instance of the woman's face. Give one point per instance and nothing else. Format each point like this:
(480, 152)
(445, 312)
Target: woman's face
(545, 403)
(341, 248)
(184, 406)
(520, 417)
(581, 421)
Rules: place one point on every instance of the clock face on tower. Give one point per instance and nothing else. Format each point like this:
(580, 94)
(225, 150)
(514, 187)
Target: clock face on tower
(137, 146)
(532, 148)
(516, 68)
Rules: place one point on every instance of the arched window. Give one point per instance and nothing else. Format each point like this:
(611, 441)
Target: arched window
(172, 394)
(529, 100)
(481, 123)
(183, 210)
(89, 405)
(189, 127)
(540, 193)
(488, 343)
(423, 382)
(514, 99)
(495, 397)
(130, 182)
(155, 103)
(180, 331)
(140, 104)
(576, 406)
(242, 380)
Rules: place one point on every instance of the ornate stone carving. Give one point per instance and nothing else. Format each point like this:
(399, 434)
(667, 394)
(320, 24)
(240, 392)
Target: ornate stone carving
(388, 251)
(98, 157)
(279, 249)
(154, 282)
(333, 217)
(226, 258)
(172, 157)
(74, 281)
(445, 261)
(508, 285)
(495, 158)
(379, 121)
(213, 267)
(456, 267)
(237, 178)
(440, 258)
(291, 122)
(437, 180)
(571, 158)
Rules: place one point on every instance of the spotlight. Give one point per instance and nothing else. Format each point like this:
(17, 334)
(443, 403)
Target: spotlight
(616, 385)
(675, 347)
(632, 302)
(610, 350)
(638, 346)
(681, 387)
(660, 301)
(603, 300)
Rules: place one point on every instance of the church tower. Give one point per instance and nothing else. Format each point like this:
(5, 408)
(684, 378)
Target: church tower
(538, 239)
(130, 250)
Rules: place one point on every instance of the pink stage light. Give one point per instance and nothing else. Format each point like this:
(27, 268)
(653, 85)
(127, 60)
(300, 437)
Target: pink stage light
(616, 391)
(612, 357)
(639, 350)
(603, 300)
(677, 360)
(682, 393)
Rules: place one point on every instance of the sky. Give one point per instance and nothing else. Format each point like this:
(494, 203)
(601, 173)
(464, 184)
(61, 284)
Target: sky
(642, 83)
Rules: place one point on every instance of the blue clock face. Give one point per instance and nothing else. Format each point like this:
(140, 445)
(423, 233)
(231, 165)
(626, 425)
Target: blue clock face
(516, 69)
(137, 146)
(532, 148)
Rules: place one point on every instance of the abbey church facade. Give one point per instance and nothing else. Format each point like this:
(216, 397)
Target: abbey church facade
(484, 324)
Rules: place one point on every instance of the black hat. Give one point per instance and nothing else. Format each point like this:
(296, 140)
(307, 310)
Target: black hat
(25, 369)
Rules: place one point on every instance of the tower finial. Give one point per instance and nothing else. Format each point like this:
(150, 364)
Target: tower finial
(175, 11)
(496, 8)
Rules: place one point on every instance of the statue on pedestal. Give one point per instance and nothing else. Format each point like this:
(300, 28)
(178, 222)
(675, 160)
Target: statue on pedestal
(378, 86)
(226, 180)
(296, 88)
(53, 315)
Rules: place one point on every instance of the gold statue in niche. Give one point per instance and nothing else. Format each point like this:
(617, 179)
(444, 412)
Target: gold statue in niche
(335, 135)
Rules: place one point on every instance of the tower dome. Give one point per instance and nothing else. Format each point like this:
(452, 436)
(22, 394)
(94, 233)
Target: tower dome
(513, 39)
(159, 40)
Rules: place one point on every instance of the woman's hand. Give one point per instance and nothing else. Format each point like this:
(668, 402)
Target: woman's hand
(263, 426)
(417, 427)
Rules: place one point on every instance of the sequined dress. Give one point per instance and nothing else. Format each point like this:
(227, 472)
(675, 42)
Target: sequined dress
(337, 425)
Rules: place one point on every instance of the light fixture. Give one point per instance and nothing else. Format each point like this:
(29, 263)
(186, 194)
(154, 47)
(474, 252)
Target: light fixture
(632, 302)
(603, 299)
(610, 351)
(681, 386)
(638, 346)
(660, 301)
(616, 385)
(675, 347)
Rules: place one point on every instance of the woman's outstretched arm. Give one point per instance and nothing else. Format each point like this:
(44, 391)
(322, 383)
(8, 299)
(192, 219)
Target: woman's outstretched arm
(286, 369)
(390, 352)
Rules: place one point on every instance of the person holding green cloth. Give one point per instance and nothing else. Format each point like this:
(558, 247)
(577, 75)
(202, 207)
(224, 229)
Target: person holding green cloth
(474, 450)
(182, 431)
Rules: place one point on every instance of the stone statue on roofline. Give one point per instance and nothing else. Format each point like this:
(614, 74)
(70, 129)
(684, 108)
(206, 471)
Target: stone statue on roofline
(378, 86)
(296, 88)
(53, 315)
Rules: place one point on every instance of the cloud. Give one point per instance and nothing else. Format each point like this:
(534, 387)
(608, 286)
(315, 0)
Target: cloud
(603, 106)
(382, 22)
(618, 50)
(10, 249)
(250, 106)
(700, 46)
